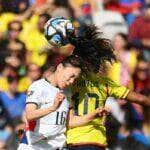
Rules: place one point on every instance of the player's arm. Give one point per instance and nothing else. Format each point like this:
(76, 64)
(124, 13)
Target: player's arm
(32, 111)
(138, 98)
(75, 121)
(121, 92)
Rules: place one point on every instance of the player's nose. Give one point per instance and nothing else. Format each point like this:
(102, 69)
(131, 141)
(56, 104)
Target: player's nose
(72, 81)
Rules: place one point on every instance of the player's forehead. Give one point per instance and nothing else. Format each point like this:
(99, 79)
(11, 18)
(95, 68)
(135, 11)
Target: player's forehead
(72, 69)
(70, 73)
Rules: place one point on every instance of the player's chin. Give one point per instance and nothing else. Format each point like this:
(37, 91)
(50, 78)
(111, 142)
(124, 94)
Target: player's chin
(63, 86)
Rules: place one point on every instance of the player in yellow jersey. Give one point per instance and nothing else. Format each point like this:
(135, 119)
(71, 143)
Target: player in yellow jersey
(91, 91)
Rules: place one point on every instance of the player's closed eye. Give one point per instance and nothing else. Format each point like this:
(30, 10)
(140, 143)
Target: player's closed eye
(73, 78)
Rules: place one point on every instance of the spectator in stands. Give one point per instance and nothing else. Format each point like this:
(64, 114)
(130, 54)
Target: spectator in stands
(128, 8)
(54, 8)
(13, 101)
(6, 129)
(127, 57)
(83, 10)
(5, 18)
(61, 8)
(16, 53)
(22, 6)
(38, 2)
(36, 42)
(14, 29)
(131, 144)
(141, 80)
(135, 9)
(141, 75)
(114, 5)
(130, 134)
(120, 71)
(6, 71)
(110, 22)
(146, 118)
(3, 52)
(1, 7)
(12, 6)
(139, 31)
(33, 73)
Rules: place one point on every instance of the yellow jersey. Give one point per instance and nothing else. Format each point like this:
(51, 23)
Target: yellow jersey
(24, 84)
(34, 40)
(90, 93)
(5, 19)
(3, 84)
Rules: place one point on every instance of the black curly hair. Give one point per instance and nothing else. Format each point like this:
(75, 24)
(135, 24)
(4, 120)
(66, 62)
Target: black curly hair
(75, 61)
(92, 48)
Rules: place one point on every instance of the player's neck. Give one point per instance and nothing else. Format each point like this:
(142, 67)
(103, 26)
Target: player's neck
(52, 79)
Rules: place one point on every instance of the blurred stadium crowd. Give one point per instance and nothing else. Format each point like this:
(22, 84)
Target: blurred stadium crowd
(25, 53)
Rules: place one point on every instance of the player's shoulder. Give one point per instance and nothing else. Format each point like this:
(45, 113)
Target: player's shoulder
(38, 84)
(101, 80)
(98, 78)
(108, 82)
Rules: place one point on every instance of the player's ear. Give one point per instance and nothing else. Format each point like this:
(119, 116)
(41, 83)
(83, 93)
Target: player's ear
(60, 67)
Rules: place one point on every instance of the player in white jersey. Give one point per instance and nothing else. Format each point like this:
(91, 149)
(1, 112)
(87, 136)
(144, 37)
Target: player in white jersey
(48, 108)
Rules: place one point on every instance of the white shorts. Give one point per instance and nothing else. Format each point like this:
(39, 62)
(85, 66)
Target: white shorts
(25, 147)
(51, 143)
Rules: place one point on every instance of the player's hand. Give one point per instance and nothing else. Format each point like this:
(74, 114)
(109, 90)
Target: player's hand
(58, 100)
(100, 112)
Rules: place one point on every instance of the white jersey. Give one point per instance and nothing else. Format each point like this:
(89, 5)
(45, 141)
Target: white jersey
(47, 132)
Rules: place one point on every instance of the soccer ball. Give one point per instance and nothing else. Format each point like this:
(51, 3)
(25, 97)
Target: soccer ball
(58, 30)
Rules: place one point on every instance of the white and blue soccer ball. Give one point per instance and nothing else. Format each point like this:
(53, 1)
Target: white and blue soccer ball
(57, 31)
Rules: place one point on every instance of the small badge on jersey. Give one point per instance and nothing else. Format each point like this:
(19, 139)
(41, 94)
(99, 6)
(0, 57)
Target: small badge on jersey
(29, 93)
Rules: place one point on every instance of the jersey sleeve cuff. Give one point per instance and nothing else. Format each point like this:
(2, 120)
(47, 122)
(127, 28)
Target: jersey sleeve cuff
(125, 93)
(32, 103)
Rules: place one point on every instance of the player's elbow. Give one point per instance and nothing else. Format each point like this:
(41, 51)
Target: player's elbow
(138, 98)
(30, 112)
(71, 124)
(29, 116)
(144, 101)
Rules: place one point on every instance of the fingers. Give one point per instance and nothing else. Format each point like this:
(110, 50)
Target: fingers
(102, 111)
(60, 96)
(58, 100)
